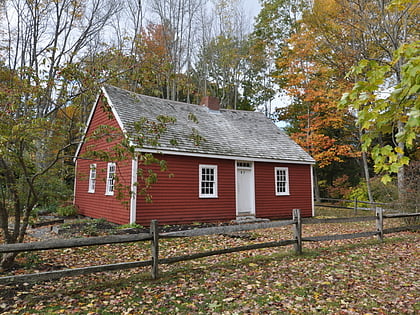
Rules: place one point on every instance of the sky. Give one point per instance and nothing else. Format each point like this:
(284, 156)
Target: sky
(252, 7)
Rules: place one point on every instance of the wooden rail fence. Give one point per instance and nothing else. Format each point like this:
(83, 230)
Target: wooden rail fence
(357, 204)
(153, 236)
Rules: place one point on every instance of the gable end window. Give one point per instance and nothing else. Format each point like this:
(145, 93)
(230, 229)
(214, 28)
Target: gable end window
(110, 179)
(208, 181)
(282, 181)
(92, 178)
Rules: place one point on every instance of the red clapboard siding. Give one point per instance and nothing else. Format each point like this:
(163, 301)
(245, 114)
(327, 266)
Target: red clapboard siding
(268, 205)
(97, 204)
(176, 198)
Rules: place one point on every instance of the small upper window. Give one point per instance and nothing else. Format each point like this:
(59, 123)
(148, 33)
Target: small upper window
(282, 181)
(242, 164)
(92, 178)
(110, 179)
(208, 181)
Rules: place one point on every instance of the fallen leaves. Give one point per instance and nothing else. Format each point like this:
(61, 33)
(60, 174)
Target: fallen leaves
(359, 276)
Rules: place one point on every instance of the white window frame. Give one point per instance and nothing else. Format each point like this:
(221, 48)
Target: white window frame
(110, 178)
(92, 178)
(203, 181)
(281, 179)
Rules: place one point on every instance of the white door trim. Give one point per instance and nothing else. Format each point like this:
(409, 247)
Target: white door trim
(133, 197)
(248, 166)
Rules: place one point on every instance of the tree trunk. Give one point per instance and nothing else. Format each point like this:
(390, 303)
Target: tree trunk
(400, 174)
(316, 186)
(367, 176)
(7, 261)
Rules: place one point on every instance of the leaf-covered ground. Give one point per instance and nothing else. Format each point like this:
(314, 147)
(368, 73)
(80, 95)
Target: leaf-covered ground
(360, 276)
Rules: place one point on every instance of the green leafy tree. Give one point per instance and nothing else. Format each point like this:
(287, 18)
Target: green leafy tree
(275, 23)
(362, 29)
(224, 62)
(41, 43)
(392, 112)
(314, 54)
(24, 173)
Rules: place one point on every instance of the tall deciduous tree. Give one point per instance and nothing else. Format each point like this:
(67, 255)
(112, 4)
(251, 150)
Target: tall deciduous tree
(177, 19)
(275, 23)
(341, 33)
(41, 42)
(24, 173)
(223, 65)
(224, 61)
(314, 121)
(394, 113)
(43, 37)
(383, 27)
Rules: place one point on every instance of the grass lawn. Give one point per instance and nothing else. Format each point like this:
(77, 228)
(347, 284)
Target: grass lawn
(361, 276)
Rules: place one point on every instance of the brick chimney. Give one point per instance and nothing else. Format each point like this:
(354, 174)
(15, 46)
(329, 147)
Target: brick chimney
(210, 102)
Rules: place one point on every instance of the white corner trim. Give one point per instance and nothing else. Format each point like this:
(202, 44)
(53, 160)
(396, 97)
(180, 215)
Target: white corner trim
(133, 191)
(75, 184)
(312, 190)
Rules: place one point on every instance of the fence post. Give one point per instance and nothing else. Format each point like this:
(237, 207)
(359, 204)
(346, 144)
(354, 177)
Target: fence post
(154, 231)
(355, 205)
(297, 231)
(380, 223)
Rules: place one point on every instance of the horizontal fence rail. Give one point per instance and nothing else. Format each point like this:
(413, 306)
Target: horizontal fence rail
(297, 222)
(74, 242)
(226, 229)
(355, 200)
(226, 251)
(339, 236)
(337, 220)
(338, 204)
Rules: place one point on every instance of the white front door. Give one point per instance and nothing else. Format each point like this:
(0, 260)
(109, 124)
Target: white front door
(245, 192)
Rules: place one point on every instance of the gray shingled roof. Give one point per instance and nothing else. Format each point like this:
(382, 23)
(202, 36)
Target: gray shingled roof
(227, 133)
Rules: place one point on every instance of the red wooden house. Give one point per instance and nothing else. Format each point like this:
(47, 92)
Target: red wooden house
(243, 167)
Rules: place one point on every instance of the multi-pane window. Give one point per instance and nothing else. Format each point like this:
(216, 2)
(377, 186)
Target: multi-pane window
(208, 181)
(92, 178)
(282, 181)
(242, 164)
(110, 179)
